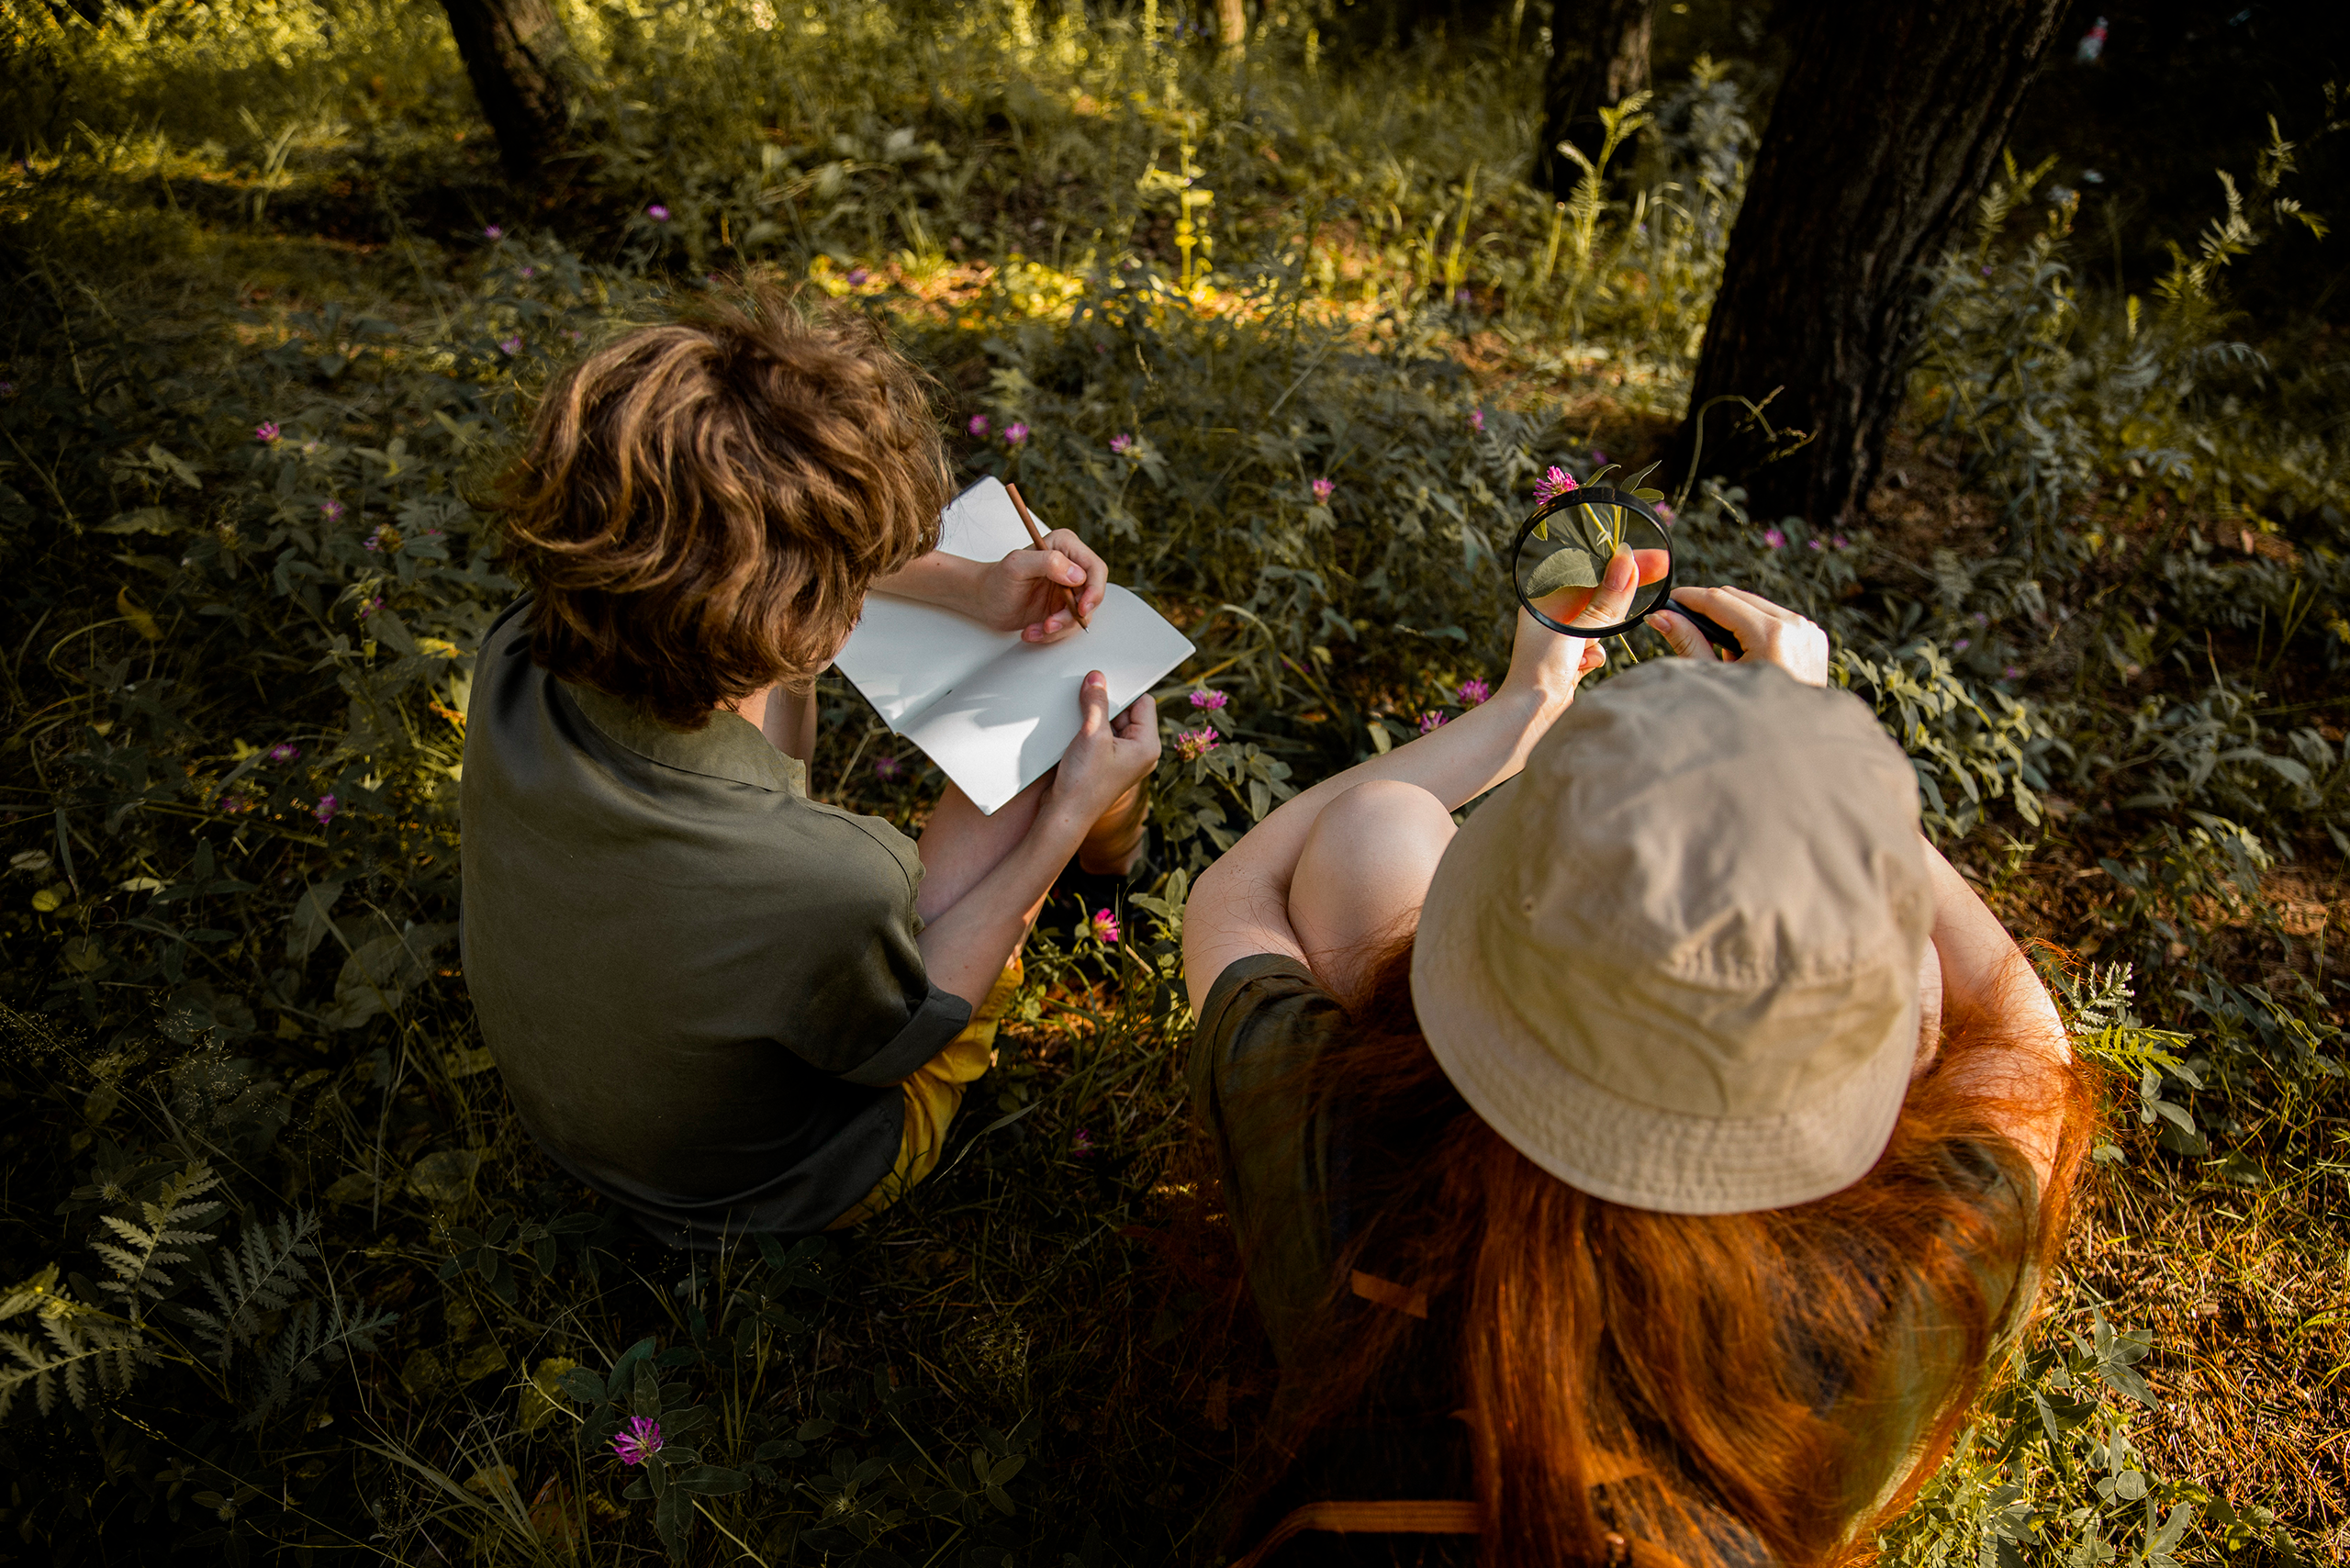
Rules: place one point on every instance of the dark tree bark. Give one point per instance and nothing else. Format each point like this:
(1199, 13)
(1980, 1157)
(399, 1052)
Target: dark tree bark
(1599, 57)
(1888, 123)
(516, 53)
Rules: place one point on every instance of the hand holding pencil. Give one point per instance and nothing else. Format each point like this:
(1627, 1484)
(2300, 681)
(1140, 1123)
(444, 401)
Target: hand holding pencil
(1080, 580)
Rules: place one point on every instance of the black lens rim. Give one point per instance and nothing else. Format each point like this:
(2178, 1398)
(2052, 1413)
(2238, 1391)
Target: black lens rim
(1594, 495)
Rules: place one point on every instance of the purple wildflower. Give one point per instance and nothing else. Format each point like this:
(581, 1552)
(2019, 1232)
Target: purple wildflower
(230, 805)
(888, 769)
(1813, 544)
(371, 606)
(266, 433)
(510, 346)
(1774, 539)
(493, 233)
(856, 276)
(1193, 745)
(979, 425)
(326, 808)
(1121, 445)
(1081, 1143)
(1665, 514)
(1841, 543)
(1473, 691)
(530, 272)
(638, 1441)
(1015, 434)
(283, 751)
(1105, 925)
(1476, 419)
(8, 388)
(1551, 486)
(2013, 672)
(1431, 722)
(330, 511)
(1598, 455)
(375, 540)
(1962, 645)
(1460, 296)
(659, 214)
(1208, 699)
(1323, 489)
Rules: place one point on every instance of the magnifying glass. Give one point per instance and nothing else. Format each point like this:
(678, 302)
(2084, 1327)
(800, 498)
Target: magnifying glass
(1562, 551)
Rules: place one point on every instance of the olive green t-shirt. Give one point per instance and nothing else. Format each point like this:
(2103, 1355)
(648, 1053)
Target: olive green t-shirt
(1266, 1022)
(700, 986)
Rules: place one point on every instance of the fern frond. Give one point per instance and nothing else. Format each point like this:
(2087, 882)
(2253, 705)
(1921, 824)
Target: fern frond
(30, 1295)
(138, 1266)
(107, 1352)
(261, 1276)
(308, 1339)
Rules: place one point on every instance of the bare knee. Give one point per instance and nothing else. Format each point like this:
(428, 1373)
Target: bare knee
(1380, 815)
(1364, 875)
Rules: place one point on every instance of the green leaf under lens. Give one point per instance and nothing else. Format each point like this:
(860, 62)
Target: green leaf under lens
(1563, 569)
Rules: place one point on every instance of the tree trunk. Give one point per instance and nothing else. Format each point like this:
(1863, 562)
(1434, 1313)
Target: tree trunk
(516, 53)
(1232, 24)
(1888, 123)
(1599, 57)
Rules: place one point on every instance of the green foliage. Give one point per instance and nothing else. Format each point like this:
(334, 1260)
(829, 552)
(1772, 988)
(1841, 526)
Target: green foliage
(2065, 1484)
(2058, 394)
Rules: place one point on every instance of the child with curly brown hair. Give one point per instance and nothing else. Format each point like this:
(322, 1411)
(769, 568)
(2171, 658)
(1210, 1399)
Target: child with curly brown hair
(721, 1003)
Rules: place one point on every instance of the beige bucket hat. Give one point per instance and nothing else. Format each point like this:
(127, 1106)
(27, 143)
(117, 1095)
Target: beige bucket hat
(1674, 963)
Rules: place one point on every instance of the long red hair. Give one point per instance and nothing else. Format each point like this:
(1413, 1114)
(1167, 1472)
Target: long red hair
(1675, 1359)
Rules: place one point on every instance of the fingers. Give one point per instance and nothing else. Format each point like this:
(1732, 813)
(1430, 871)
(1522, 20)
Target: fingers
(1094, 585)
(1613, 599)
(1682, 636)
(1093, 701)
(1746, 616)
(1769, 632)
(1139, 721)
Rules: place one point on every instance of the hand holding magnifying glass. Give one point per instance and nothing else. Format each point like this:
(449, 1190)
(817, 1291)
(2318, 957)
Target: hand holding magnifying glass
(1565, 549)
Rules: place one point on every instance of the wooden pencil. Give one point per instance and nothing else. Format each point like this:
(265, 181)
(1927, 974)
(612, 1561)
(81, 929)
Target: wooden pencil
(1036, 539)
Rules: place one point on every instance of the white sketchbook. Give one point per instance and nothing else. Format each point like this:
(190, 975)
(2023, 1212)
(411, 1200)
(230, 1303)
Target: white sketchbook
(995, 712)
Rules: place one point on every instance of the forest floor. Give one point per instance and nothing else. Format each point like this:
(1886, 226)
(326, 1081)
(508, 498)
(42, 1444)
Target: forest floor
(1045, 1354)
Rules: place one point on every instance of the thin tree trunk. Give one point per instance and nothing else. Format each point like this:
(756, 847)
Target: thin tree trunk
(1889, 121)
(516, 53)
(1232, 24)
(1599, 57)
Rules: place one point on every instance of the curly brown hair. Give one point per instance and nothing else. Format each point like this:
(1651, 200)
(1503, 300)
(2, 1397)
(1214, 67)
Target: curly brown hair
(701, 505)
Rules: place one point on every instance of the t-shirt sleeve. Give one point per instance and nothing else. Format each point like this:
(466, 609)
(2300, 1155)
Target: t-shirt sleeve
(866, 1010)
(1265, 1022)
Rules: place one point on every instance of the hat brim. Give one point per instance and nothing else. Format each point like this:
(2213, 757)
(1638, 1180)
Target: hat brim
(1601, 1141)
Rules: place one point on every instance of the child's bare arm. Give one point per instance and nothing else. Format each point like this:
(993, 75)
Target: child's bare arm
(1022, 592)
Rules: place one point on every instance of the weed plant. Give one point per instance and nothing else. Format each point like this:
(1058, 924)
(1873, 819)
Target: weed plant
(1292, 345)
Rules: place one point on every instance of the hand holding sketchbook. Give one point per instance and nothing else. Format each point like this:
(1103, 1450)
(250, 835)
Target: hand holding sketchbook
(993, 711)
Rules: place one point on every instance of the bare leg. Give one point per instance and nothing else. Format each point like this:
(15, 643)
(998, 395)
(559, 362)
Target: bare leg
(1364, 875)
(960, 847)
(1115, 843)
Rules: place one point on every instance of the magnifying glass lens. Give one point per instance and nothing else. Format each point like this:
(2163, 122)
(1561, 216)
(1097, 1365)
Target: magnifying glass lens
(1562, 559)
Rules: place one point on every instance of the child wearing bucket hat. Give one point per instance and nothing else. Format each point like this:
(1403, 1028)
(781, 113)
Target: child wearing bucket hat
(1645, 1170)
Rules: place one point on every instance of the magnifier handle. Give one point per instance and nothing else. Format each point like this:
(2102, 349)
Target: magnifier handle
(1719, 635)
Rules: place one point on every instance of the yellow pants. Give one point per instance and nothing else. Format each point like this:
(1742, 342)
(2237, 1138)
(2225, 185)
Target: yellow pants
(933, 1094)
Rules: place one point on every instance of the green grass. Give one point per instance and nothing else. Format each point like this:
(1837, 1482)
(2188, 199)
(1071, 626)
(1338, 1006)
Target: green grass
(2101, 608)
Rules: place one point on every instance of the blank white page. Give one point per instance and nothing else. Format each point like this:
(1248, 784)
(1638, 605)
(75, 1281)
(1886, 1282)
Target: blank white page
(998, 730)
(904, 655)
